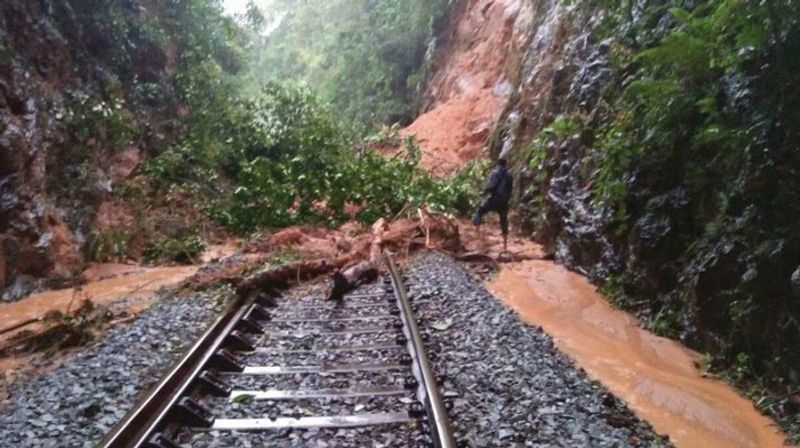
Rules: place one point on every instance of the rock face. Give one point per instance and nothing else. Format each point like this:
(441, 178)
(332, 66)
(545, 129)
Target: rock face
(65, 92)
(563, 67)
(724, 280)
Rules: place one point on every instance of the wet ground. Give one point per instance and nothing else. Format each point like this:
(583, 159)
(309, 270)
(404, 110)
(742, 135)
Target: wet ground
(110, 282)
(105, 283)
(76, 403)
(657, 377)
(127, 288)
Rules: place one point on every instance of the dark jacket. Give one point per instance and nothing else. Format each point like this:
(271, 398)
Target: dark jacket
(500, 185)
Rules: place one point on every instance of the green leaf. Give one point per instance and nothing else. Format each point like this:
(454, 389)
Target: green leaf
(243, 398)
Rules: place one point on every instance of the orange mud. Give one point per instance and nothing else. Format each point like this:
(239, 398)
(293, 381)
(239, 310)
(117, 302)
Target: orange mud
(102, 271)
(217, 252)
(490, 242)
(139, 284)
(656, 376)
(470, 85)
(106, 283)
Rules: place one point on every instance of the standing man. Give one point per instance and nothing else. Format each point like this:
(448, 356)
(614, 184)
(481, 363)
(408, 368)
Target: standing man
(499, 190)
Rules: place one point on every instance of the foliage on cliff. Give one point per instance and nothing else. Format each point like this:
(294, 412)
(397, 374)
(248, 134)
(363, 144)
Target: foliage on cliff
(87, 88)
(717, 101)
(668, 168)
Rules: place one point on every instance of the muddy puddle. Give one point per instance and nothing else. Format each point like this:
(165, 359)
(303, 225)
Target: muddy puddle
(656, 376)
(106, 284)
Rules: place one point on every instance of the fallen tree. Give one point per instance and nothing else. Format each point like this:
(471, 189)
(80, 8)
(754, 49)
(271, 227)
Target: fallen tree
(345, 280)
(402, 236)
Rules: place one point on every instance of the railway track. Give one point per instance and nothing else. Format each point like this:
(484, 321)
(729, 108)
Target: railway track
(300, 373)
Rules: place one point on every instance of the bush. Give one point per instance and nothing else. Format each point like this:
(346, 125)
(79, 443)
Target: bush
(290, 161)
(109, 245)
(183, 249)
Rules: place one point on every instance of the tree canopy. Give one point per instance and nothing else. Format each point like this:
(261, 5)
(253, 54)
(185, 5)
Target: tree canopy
(366, 57)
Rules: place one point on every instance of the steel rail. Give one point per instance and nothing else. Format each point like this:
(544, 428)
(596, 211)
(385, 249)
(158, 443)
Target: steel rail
(146, 417)
(152, 414)
(437, 414)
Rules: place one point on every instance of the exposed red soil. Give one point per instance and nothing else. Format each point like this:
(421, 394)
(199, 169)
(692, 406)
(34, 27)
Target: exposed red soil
(472, 71)
(115, 215)
(63, 243)
(125, 163)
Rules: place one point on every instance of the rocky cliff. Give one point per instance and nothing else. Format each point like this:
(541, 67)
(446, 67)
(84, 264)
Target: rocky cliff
(654, 157)
(87, 89)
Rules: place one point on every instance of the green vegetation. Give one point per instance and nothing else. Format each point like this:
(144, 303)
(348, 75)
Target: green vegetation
(108, 245)
(243, 398)
(287, 160)
(665, 323)
(716, 99)
(695, 141)
(185, 249)
(366, 57)
(684, 104)
(93, 119)
(562, 128)
(259, 123)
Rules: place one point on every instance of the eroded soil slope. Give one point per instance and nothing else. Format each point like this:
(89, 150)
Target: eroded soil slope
(476, 63)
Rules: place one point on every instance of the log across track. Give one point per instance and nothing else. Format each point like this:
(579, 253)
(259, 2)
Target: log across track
(356, 372)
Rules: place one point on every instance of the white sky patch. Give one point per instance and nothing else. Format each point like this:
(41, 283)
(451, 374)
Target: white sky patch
(233, 7)
(271, 27)
(237, 8)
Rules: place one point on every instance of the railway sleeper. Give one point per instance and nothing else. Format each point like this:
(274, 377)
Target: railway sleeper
(311, 364)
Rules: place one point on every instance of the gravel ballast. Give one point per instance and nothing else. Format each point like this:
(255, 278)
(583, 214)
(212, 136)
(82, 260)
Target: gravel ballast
(509, 386)
(75, 404)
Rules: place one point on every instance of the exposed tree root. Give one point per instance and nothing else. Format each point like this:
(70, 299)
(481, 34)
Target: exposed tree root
(402, 237)
(332, 252)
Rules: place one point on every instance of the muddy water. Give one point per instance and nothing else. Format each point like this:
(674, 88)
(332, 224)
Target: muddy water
(130, 281)
(106, 283)
(219, 251)
(656, 376)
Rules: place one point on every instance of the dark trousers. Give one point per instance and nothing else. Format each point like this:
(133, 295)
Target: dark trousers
(493, 205)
